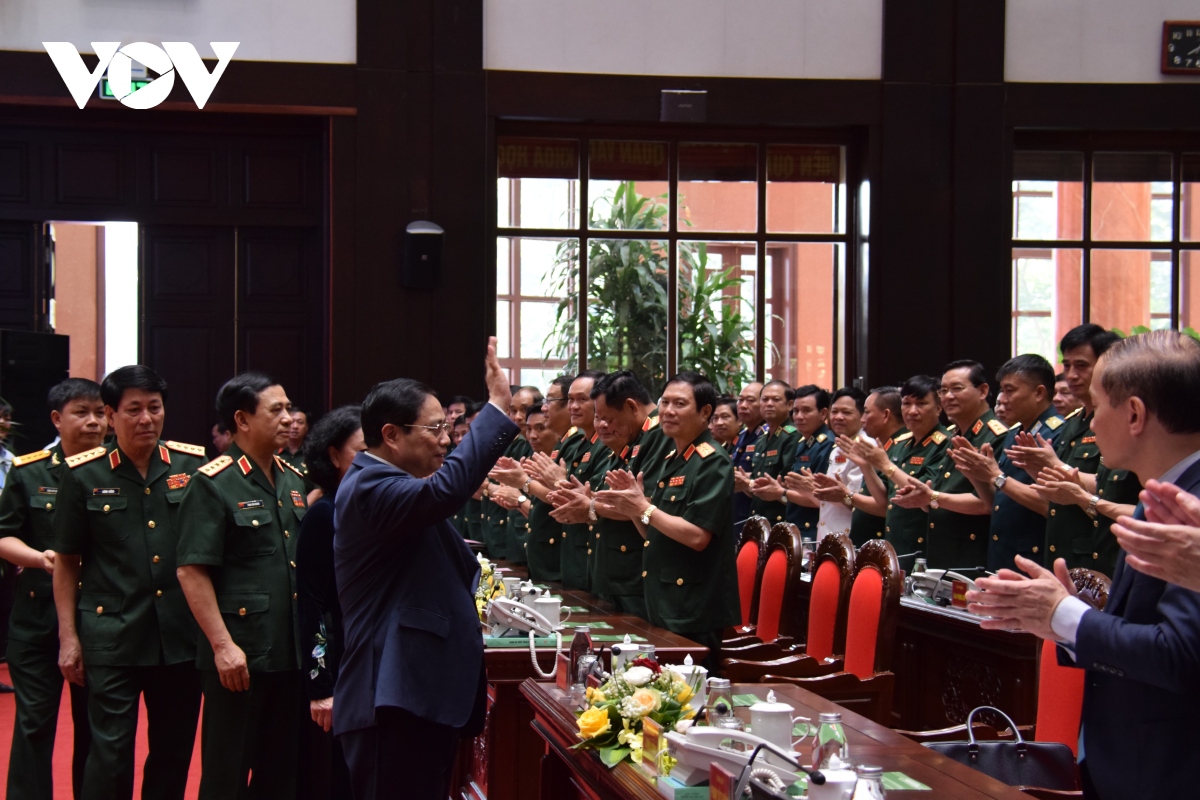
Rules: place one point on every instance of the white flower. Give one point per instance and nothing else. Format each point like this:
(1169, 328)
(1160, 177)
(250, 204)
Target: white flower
(638, 676)
(682, 725)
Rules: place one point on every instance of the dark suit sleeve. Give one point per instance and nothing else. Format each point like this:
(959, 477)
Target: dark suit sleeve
(315, 585)
(400, 503)
(1165, 654)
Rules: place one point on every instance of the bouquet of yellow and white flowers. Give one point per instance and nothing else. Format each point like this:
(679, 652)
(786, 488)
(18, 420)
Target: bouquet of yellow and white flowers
(612, 722)
(489, 586)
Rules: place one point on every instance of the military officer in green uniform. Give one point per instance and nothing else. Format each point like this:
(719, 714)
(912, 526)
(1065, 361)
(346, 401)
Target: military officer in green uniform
(542, 535)
(774, 452)
(237, 566)
(958, 518)
(882, 423)
(27, 540)
(515, 530)
(494, 516)
(123, 622)
(810, 418)
(688, 567)
(1018, 520)
(293, 451)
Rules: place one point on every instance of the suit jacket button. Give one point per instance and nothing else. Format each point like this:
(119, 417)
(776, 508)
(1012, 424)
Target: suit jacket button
(995, 537)
(972, 537)
(99, 609)
(679, 581)
(646, 543)
(551, 541)
(158, 593)
(643, 573)
(254, 523)
(241, 612)
(1035, 548)
(622, 548)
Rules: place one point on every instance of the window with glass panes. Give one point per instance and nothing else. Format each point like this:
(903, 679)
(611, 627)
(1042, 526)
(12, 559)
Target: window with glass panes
(660, 252)
(1106, 235)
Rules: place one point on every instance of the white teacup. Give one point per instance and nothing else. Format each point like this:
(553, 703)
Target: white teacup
(691, 673)
(551, 608)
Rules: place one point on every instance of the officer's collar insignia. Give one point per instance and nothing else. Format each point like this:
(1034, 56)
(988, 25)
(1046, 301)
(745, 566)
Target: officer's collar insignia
(688, 453)
(164, 454)
(245, 466)
(251, 504)
(624, 450)
(669, 455)
(177, 481)
(54, 459)
(101, 492)
(651, 422)
(977, 427)
(114, 458)
(595, 436)
(297, 499)
(888, 444)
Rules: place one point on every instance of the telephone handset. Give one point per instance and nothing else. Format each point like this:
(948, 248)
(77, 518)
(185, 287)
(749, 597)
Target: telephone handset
(937, 585)
(506, 615)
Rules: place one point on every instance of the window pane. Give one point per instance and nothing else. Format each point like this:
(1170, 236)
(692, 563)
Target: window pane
(1189, 289)
(716, 311)
(536, 259)
(1047, 195)
(537, 184)
(805, 189)
(1128, 203)
(504, 265)
(538, 268)
(800, 312)
(1130, 288)
(504, 334)
(537, 326)
(627, 185)
(540, 378)
(1189, 198)
(1047, 299)
(627, 308)
(718, 188)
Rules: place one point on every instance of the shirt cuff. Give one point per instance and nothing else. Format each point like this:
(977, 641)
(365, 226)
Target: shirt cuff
(1066, 619)
(503, 411)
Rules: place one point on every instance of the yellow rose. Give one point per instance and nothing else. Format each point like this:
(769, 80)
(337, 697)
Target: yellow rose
(593, 722)
(595, 696)
(684, 694)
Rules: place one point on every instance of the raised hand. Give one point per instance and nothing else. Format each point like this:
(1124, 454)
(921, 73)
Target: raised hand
(497, 381)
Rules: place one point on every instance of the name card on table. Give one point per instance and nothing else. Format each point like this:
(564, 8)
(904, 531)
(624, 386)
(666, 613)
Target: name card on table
(651, 744)
(720, 782)
(563, 678)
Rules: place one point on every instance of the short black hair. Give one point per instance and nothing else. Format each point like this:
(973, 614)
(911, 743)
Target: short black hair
(459, 398)
(703, 392)
(812, 390)
(397, 402)
(537, 393)
(332, 430)
(1032, 368)
(134, 376)
(221, 426)
(854, 393)
(726, 400)
(1090, 334)
(976, 374)
(888, 398)
(919, 386)
(563, 382)
(240, 393)
(1062, 376)
(64, 392)
(789, 393)
(617, 387)
(536, 408)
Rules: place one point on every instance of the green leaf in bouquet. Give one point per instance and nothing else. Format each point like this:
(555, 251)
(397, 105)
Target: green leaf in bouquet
(611, 756)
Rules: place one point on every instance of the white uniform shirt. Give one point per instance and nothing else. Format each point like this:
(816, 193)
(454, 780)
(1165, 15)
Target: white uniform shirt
(835, 516)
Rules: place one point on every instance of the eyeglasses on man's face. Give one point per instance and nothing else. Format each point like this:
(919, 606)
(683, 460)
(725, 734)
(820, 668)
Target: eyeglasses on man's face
(439, 429)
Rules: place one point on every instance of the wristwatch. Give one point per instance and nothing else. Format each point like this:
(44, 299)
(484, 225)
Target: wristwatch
(933, 500)
(521, 499)
(650, 509)
(849, 500)
(1091, 507)
(592, 511)
(525, 488)
(999, 481)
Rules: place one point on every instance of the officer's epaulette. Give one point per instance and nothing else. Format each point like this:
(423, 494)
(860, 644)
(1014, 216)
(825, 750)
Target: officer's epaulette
(86, 456)
(650, 423)
(1054, 423)
(574, 430)
(902, 437)
(789, 428)
(822, 437)
(705, 449)
(30, 458)
(190, 449)
(997, 427)
(938, 437)
(1074, 413)
(284, 464)
(216, 465)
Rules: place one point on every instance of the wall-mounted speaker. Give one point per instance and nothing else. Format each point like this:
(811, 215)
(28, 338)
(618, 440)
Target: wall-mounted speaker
(422, 267)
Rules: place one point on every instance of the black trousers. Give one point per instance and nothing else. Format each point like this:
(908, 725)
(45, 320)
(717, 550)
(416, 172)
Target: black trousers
(256, 731)
(172, 695)
(38, 684)
(402, 756)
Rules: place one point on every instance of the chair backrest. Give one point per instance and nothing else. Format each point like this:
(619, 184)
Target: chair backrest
(874, 610)
(1092, 587)
(833, 569)
(780, 573)
(1060, 700)
(752, 547)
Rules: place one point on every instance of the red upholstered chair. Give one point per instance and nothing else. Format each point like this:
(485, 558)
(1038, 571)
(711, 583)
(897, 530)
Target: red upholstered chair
(864, 684)
(782, 565)
(751, 557)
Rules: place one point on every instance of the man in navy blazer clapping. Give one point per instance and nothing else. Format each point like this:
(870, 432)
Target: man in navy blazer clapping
(412, 679)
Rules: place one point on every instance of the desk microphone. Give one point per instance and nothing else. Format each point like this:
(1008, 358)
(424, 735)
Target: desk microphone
(910, 555)
(943, 601)
(815, 776)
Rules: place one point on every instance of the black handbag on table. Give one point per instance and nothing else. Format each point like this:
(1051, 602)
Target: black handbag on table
(1046, 765)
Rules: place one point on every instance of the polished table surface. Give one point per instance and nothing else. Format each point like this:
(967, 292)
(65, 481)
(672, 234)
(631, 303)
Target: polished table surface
(568, 773)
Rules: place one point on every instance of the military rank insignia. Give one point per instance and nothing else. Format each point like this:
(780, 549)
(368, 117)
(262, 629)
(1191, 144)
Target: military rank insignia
(297, 499)
(676, 481)
(251, 504)
(705, 449)
(177, 481)
(978, 426)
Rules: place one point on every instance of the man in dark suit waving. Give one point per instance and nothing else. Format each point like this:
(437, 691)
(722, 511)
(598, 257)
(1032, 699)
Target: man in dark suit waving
(1142, 652)
(412, 679)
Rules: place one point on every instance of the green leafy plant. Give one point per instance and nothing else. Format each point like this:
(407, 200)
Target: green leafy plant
(627, 302)
(1138, 329)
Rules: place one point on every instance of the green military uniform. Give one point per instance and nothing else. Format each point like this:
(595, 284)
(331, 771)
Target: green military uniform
(583, 457)
(297, 460)
(515, 533)
(1116, 486)
(960, 540)
(27, 513)
(134, 624)
(773, 456)
(693, 592)
(245, 530)
(494, 517)
(905, 528)
(863, 526)
(544, 534)
(1015, 529)
(472, 520)
(654, 447)
(1076, 447)
(812, 453)
(616, 544)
